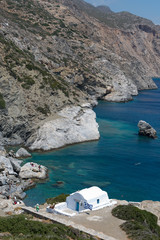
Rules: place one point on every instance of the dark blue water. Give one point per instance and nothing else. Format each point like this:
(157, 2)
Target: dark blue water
(124, 164)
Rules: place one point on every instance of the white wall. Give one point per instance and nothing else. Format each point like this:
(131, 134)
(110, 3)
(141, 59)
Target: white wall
(76, 197)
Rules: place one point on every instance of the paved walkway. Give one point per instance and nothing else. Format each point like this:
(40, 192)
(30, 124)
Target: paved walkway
(105, 225)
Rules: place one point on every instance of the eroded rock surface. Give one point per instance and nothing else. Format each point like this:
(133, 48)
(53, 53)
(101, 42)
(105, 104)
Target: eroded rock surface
(72, 125)
(146, 129)
(82, 54)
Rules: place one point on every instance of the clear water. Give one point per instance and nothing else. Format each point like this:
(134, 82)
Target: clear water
(124, 164)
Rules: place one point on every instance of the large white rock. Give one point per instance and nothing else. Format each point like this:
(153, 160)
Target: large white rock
(73, 125)
(22, 153)
(33, 170)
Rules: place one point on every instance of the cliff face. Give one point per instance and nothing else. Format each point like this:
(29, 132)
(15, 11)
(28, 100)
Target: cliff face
(67, 52)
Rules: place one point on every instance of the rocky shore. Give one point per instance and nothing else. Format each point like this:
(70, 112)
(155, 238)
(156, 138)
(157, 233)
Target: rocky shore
(50, 64)
(14, 179)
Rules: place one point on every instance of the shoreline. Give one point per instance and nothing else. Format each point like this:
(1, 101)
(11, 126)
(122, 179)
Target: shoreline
(65, 146)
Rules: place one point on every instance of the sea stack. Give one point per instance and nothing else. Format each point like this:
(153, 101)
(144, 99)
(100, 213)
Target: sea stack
(146, 129)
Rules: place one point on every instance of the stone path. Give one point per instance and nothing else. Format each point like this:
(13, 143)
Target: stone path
(79, 223)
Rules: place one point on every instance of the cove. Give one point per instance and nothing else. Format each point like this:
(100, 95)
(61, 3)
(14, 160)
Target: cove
(122, 163)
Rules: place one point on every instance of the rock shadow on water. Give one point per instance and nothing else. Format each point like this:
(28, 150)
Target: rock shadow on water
(58, 184)
(54, 168)
(95, 183)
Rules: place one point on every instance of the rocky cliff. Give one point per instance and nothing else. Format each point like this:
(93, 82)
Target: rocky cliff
(56, 54)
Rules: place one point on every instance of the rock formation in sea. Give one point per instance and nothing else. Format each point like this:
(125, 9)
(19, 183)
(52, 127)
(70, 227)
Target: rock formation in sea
(146, 129)
(64, 53)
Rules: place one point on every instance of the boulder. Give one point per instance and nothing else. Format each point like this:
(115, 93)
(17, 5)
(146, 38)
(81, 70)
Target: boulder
(22, 153)
(27, 184)
(33, 170)
(15, 164)
(2, 167)
(6, 163)
(146, 129)
(72, 125)
(3, 180)
(11, 153)
(2, 151)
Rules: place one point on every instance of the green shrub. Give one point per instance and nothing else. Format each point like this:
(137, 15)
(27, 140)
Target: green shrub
(28, 82)
(29, 66)
(56, 32)
(45, 110)
(22, 227)
(59, 198)
(140, 224)
(61, 23)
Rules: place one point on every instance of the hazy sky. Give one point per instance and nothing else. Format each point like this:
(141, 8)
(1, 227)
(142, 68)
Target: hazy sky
(145, 8)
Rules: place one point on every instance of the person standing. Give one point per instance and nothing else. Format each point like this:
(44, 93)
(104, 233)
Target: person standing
(37, 207)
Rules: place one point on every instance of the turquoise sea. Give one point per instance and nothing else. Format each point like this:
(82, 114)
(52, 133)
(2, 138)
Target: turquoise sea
(122, 163)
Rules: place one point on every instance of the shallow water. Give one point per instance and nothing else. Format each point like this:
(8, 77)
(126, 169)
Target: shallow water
(124, 164)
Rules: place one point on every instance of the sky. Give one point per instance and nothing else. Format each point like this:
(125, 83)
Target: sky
(149, 9)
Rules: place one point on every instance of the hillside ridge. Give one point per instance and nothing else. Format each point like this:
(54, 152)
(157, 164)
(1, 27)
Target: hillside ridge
(61, 53)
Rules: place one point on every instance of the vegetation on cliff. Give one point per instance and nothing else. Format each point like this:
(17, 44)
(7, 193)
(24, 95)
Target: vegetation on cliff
(2, 102)
(140, 224)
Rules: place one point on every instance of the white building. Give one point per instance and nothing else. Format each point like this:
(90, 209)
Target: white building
(88, 198)
(92, 198)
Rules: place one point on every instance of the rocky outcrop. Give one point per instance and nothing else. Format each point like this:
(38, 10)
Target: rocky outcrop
(146, 129)
(118, 97)
(8, 206)
(82, 54)
(72, 125)
(14, 179)
(7, 165)
(33, 170)
(22, 153)
(122, 89)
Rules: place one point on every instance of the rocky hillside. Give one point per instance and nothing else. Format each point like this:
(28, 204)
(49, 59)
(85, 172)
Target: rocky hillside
(58, 53)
